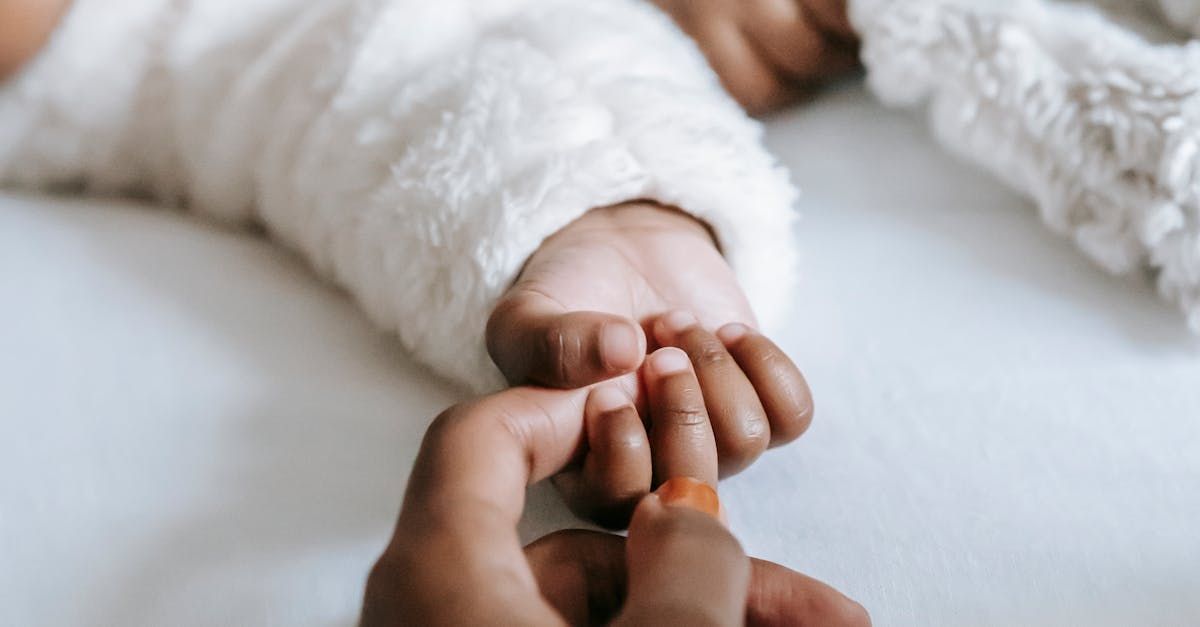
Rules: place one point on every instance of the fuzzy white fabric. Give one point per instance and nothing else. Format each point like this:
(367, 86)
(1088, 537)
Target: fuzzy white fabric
(1099, 126)
(199, 468)
(414, 152)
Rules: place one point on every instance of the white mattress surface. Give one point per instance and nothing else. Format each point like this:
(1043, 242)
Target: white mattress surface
(194, 431)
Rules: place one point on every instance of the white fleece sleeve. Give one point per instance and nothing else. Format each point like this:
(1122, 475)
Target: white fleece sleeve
(414, 152)
(1099, 127)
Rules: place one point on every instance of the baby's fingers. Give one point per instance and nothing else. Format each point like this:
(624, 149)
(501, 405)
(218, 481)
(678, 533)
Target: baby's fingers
(739, 421)
(781, 387)
(681, 436)
(616, 470)
(532, 339)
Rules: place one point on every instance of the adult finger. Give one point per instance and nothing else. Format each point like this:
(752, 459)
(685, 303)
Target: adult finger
(739, 421)
(583, 574)
(685, 568)
(533, 339)
(681, 437)
(781, 597)
(781, 387)
(457, 527)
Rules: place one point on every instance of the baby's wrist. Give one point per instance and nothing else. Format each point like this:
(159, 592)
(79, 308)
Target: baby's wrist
(646, 214)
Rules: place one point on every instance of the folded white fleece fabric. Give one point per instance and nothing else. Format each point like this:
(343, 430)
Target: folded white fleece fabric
(414, 152)
(1098, 126)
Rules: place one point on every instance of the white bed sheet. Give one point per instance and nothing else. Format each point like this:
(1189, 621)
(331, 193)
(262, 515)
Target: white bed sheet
(193, 431)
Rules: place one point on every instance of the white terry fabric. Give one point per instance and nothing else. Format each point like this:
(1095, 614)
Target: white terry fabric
(1099, 126)
(207, 466)
(414, 152)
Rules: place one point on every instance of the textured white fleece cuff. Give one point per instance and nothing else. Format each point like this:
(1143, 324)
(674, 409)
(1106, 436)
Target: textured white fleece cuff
(566, 107)
(416, 153)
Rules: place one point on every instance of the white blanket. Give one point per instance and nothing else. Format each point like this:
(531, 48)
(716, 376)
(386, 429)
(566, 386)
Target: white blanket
(196, 431)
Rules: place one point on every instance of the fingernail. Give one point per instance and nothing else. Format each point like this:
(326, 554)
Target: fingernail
(608, 398)
(620, 346)
(731, 333)
(692, 494)
(669, 361)
(678, 321)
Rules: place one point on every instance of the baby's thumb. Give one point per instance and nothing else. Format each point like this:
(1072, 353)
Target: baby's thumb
(532, 339)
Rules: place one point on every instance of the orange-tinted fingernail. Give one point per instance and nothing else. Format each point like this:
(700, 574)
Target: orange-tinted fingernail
(692, 494)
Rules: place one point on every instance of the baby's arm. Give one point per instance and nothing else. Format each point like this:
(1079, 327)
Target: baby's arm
(416, 153)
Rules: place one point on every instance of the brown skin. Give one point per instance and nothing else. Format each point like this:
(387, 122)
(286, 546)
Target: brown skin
(703, 418)
(679, 566)
(25, 25)
(614, 266)
(622, 266)
(582, 308)
(766, 51)
(769, 52)
(456, 559)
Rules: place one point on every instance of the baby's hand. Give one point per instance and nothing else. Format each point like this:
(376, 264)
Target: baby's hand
(712, 408)
(768, 51)
(586, 308)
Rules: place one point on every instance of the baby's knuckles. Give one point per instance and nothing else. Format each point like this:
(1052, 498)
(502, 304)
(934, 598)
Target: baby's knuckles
(752, 439)
(710, 21)
(789, 424)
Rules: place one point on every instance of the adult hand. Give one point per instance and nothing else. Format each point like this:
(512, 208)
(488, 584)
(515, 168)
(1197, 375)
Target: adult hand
(456, 559)
(624, 279)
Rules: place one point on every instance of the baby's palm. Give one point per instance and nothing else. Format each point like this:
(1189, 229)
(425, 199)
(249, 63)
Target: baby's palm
(604, 276)
(582, 311)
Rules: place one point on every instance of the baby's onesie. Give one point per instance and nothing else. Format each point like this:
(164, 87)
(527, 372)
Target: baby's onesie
(415, 153)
